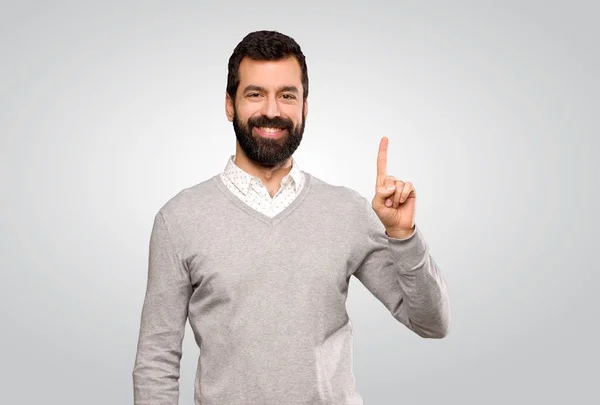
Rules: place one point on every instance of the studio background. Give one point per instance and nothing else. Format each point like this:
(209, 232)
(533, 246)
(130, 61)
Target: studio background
(108, 109)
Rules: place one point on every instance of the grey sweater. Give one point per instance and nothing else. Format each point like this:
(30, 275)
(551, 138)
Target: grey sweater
(265, 297)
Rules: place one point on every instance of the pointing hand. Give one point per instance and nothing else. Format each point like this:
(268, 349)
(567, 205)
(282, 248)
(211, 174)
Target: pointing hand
(395, 200)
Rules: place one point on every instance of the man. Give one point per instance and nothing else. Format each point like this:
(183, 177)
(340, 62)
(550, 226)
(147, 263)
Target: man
(259, 258)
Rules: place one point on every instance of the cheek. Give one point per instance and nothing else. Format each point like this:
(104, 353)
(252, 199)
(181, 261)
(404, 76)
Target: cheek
(247, 110)
(243, 116)
(293, 113)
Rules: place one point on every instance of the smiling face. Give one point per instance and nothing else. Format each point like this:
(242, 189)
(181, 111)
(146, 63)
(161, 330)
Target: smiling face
(269, 110)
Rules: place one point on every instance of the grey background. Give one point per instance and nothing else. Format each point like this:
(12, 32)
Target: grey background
(108, 109)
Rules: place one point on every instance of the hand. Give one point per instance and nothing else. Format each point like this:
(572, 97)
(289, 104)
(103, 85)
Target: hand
(395, 200)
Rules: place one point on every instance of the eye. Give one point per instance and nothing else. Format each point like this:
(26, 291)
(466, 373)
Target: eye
(252, 95)
(289, 96)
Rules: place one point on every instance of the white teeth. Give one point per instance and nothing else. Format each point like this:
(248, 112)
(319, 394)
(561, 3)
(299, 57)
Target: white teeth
(271, 130)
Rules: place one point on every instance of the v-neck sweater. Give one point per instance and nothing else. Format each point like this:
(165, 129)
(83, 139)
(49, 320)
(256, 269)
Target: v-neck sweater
(266, 297)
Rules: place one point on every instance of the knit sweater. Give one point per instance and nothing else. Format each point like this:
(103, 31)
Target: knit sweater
(265, 297)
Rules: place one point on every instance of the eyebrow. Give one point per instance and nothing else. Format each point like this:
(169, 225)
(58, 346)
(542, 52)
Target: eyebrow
(253, 87)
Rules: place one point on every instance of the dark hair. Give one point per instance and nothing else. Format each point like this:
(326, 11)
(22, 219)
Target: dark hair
(264, 46)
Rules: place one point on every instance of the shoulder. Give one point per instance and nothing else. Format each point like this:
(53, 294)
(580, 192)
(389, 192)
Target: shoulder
(191, 201)
(344, 195)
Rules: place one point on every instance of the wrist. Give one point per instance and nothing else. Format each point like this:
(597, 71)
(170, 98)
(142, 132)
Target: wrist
(400, 233)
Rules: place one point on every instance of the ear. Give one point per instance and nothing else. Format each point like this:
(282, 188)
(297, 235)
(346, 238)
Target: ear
(305, 107)
(229, 107)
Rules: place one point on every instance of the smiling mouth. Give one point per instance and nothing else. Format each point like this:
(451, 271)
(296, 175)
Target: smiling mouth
(270, 132)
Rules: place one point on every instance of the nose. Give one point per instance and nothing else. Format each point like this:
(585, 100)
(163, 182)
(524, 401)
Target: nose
(270, 107)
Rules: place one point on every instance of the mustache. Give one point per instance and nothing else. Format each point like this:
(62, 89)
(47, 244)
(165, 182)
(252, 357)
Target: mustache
(277, 122)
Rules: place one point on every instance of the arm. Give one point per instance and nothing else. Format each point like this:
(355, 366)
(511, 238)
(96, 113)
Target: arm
(402, 275)
(163, 318)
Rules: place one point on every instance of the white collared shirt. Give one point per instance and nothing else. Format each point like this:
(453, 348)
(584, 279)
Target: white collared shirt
(253, 192)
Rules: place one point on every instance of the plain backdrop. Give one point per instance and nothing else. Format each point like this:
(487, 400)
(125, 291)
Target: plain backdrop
(109, 108)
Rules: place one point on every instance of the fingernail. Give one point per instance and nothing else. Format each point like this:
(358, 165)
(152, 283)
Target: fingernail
(390, 188)
(388, 203)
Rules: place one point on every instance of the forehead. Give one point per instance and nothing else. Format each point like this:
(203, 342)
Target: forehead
(270, 74)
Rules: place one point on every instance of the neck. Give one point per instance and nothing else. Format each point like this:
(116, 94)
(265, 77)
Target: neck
(270, 176)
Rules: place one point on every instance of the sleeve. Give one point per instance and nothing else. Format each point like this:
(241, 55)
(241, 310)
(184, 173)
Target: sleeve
(163, 318)
(402, 274)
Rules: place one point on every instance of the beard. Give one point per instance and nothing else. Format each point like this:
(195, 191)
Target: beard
(268, 152)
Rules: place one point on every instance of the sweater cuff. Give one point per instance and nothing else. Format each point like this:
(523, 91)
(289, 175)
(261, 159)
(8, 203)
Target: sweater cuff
(408, 253)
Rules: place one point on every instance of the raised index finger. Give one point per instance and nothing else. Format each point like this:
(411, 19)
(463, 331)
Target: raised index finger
(382, 161)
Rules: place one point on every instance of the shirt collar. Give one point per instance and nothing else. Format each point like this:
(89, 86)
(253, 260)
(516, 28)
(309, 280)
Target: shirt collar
(243, 180)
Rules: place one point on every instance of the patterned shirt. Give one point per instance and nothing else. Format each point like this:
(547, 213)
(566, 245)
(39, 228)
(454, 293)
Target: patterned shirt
(253, 192)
